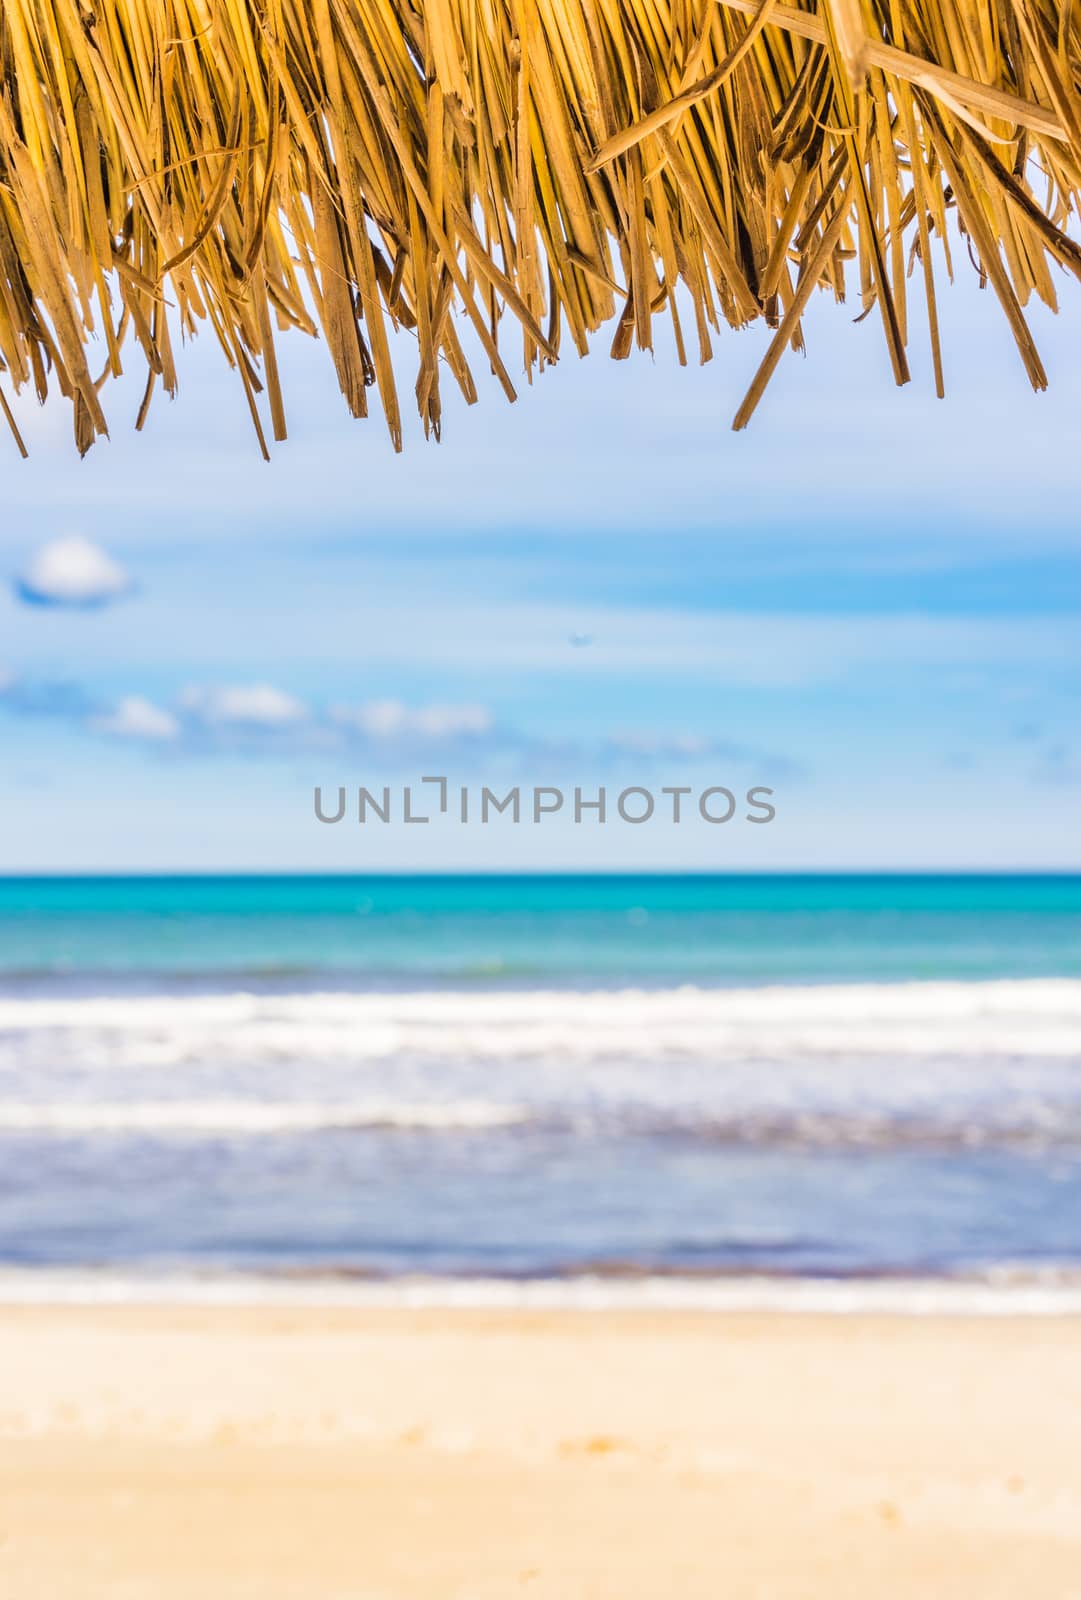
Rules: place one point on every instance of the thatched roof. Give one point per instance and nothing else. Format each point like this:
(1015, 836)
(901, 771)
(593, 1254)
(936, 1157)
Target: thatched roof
(538, 169)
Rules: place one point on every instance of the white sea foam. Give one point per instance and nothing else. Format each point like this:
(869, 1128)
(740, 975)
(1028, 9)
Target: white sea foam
(201, 1117)
(946, 1065)
(997, 1295)
(910, 1123)
(961, 1020)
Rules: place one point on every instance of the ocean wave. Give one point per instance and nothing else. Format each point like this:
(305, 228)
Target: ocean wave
(1029, 1127)
(995, 1294)
(250, 1118)
(1038, 1017)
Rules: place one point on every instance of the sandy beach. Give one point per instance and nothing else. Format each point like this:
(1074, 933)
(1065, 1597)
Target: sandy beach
(357, 1454)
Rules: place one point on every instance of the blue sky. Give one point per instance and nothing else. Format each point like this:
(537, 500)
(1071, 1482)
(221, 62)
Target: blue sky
(869, 602)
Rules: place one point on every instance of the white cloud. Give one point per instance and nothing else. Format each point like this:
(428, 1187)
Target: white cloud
(678, 748)
(72, 572)
(644, 743)
(136, 718)
(390, 719)
(254, 705)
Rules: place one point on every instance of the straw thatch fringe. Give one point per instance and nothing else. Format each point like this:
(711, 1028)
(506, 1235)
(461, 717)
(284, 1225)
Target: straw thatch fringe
(358, 165)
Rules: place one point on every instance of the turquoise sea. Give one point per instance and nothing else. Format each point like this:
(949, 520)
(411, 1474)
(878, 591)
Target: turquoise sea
(526, 1079)
(577, 930)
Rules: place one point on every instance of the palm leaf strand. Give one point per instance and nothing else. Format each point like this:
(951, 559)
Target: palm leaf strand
(356, 167)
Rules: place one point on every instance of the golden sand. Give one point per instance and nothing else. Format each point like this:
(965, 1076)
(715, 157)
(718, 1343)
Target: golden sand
(154, 1453)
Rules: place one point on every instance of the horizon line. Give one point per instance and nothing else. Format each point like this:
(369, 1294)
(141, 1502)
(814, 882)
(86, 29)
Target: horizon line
(121, 874)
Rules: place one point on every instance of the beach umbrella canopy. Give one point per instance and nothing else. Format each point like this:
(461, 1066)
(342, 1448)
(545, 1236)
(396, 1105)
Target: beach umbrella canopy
(504, 179)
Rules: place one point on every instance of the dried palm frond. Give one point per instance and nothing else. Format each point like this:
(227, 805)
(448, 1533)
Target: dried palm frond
(357, 166)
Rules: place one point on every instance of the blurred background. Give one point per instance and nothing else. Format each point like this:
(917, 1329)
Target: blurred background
(842, 1047)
